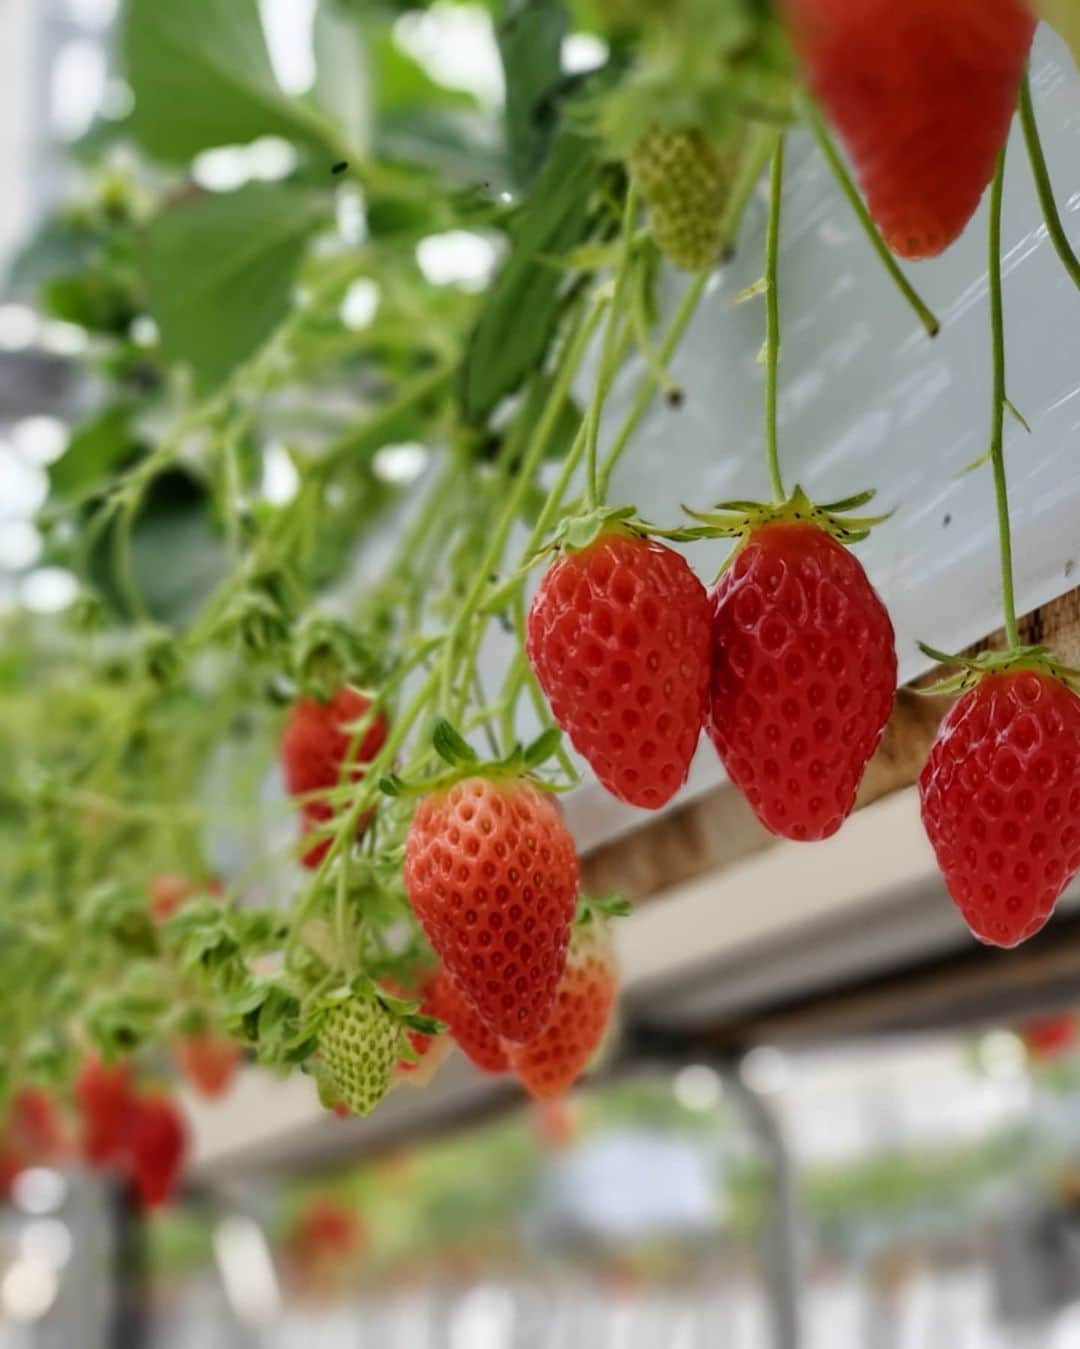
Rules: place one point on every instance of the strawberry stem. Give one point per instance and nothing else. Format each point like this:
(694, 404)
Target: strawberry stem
(772, 320)
(997, 419)
(927, 317)
(1043, 186)
(609, 363)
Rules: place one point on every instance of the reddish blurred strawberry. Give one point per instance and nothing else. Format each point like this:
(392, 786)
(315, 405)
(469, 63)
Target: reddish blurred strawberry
(106, 1096)
(480, 1045)
(168, 892)
(155, 1148)
(327, 1227)
(33, 1126)
(556, 1123)
(1049, 1037)
(315, 749)
(209, 1062)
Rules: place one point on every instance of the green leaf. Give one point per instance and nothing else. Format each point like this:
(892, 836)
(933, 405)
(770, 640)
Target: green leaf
(516, 323)
(201, 76)
(449, 745)
(95, 451)
(530, 44)
(219, 272)
(343, 84)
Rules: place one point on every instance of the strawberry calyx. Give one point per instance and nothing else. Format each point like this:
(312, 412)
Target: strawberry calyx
(603, 906)
(464, 762)
(972, 669)
(739, 519)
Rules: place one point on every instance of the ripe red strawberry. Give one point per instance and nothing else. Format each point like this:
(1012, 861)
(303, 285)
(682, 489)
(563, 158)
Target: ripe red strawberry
(1049, 1037)
(618, 636)
(492, 874)
(922, 94)
(106, 1097)
(155, 1148)
(480, 1045)
(169, 891)
(550, 1065)
(209, 1062)
(314, 750)
(1001, 802)
(804, 672)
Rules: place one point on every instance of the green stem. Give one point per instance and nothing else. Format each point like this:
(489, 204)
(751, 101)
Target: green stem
(646, 390)
(832, 157)
(751, 166)
(609, 363)
(997, 418)
(1043, 186)
(772, 320)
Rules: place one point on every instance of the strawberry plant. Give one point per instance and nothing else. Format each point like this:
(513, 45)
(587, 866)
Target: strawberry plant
(316, 479)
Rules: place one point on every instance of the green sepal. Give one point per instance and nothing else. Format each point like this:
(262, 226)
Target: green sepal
(610, 906)
(972, 669)
(450, 745)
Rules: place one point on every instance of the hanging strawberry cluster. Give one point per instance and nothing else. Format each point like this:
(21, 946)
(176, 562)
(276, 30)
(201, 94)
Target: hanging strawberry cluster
(435, 893)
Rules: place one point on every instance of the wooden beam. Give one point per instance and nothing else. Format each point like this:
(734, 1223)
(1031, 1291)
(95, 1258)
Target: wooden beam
(718, 830)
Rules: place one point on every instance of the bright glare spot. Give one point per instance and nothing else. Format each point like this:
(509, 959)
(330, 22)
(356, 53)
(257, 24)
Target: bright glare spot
(400, 464)
(49, 590)
(23, 486)
(698, 1087)
(118, 100)
(1002, 1054)
(144, 331)
(288, 25)
(77, 88)
(28, 1289)
(455, 43)
(247, 1270)
(20, 545)
(280, 480)
(18, 327)
(765, 1070)
(360, 303)
(270, 158)
(351, 215)
(483, 1319)
(47, 1239)
(458, 257)
(582, 52)
(39, 1190)
(63, 339)
(221, 170)
(42, 439)
(93, 13)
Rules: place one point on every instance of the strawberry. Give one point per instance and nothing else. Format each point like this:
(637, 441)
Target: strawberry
(155, 1148)
(106, 1097)
(804, 672)
(618, 636)
(550, 1065)
(684, 180)
(1001, 801)
(922, 94)
(491, 873)
(33, 1126)
(1049, 1037)
(314, 750)
(359, 1044)
(209, 1062)
(326, 1227)
(445, 1001)
(556, 1123)
(168, 892)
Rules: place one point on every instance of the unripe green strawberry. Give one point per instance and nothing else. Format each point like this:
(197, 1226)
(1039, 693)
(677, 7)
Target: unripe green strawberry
(360, 1041)
(684, 179)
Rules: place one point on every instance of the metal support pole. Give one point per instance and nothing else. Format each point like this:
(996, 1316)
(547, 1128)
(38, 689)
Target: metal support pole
(130, 1319)
(782, 1239)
